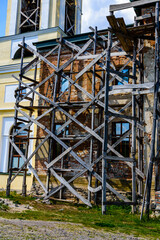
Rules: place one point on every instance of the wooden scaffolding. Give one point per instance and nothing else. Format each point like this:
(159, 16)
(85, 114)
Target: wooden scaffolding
(97, 60)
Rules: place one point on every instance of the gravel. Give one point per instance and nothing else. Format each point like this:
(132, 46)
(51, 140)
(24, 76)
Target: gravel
(37, 230)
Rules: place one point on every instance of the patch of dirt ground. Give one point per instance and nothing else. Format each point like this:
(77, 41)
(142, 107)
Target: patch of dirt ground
(38, 230)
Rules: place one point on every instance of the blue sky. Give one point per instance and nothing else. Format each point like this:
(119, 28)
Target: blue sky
(3, 5)
(95, 12)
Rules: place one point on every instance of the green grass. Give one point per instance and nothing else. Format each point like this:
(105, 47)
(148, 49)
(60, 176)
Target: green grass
(117, 219)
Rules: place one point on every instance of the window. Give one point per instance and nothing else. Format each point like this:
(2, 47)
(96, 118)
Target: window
(118, 130)
(64, 84)
(21, 93)
(21, 143)
(63, 88)
(125, 79)
(64, 132)
(70, 17)
(30, 16)
(17, 54)
(3, 16)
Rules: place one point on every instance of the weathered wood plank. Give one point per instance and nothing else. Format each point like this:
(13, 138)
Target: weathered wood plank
(114, 158)
(83, 49)
(52, 192)
(132, 86)
(139, 18)
(118, 7)
(120, 35)
(49, 165)
(94, 190)
(56, 139)
(120, 196)
(113, 54)
(70, 188)
(26, 162)
(66, 113)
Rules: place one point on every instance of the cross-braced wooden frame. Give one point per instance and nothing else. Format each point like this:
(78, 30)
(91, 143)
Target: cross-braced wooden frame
(97, 68)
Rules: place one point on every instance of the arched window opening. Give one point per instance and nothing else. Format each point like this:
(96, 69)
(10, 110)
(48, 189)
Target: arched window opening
(17, 54)
(21, 143)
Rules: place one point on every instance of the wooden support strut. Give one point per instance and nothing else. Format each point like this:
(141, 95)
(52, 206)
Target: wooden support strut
(103, 61)
(122, 6)
(154, 127)
(80, 111)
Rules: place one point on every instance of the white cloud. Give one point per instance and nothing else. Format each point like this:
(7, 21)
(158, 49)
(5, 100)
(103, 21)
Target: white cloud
(95, 12)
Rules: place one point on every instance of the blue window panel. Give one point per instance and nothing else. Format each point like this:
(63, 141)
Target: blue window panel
(15, 162)
(21, 162)
(23, 133)
(59, 125)
(23, 91)
(118, 128)
(126, 71)
(64, 85)
(125, 127)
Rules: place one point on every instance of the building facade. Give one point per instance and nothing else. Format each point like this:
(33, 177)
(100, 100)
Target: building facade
(35, 21)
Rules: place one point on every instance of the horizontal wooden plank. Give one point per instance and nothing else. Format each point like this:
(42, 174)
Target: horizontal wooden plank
(132, 86)
(119, 33)
(115, 158)
(118, 7)
(120, 203)
(91, 56)
(122, 116)
(139, 18)
(94, 190)
(70, 188)
(67, 170)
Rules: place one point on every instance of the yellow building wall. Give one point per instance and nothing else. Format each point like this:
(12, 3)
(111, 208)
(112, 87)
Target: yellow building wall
(7, 110)
(8, 16)
(16, 185)
(53, 14)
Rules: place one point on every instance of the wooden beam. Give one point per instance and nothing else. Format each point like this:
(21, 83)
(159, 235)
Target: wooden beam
(70, 188)
(114, 158)
(72, 118)
(85, 165)
(94, 190)
(120, 196)
(26, 162)
(118, 7)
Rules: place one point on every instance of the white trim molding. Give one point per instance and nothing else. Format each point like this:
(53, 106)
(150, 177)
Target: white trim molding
(45, 10)
(62, 14)
(28, 40)
(78, 16)
(14, 17)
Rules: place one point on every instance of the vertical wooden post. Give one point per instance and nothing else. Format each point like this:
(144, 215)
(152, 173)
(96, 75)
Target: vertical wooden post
(15, 124)
(134, 131)
(100, 132)
(140, 132)
(24, 187)
(52, 142)
(157, 176)
(106, 118)
(156, 88)
(92, 117)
